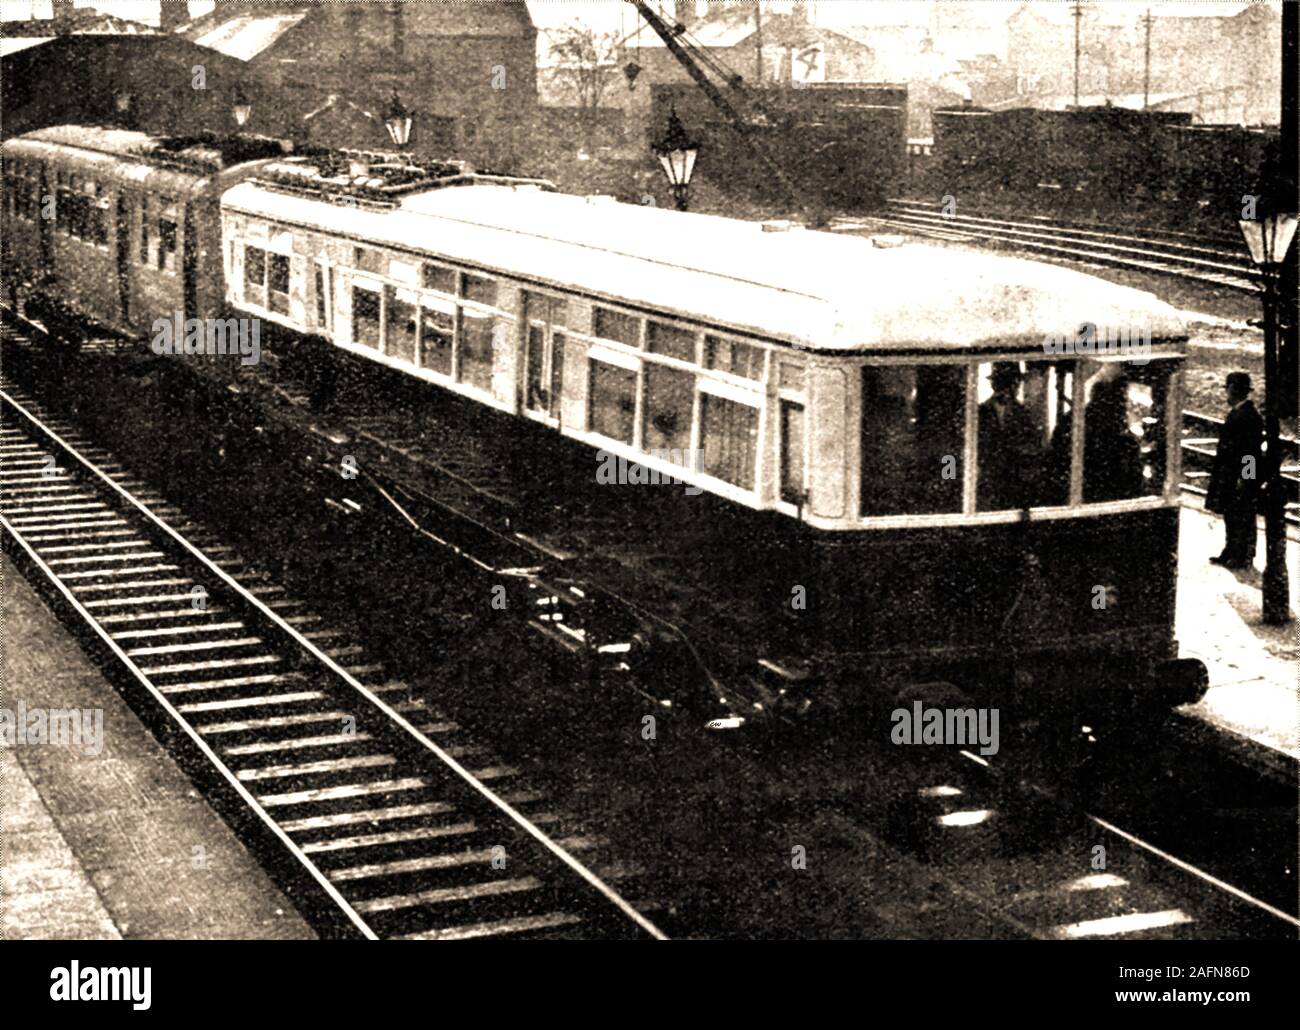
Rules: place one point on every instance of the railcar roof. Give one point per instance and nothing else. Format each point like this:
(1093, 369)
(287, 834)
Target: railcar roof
(818, 290)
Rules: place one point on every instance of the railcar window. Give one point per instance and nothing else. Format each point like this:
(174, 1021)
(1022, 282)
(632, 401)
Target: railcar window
(369, 260)
(322, 300)
(669, 400)
(536, 397)
(913, 431)
(440, 278)
(437, 335)
(62, 209)
(145, 242)
(403, 320)
(478, 289)
(254, 274)
(475, 366)
(365, 317)
(614, 325)
(729, 437)
(791, 376)
(1124, 430)
(1023, 450)
(739, 359)
(792, 463)
(277, 281)
(167, 240)
(613, 401)
(670, 340)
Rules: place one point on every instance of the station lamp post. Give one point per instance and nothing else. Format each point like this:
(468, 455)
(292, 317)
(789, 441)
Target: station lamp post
(240, 106)
(677, 153)
(1269, 237)
(397, 120)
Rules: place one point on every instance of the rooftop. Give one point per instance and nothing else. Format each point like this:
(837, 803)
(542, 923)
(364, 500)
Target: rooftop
(812, 289)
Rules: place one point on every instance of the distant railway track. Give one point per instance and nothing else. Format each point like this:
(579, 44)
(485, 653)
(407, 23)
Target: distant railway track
(350, 786)
(1211, 260)
(1200, 436)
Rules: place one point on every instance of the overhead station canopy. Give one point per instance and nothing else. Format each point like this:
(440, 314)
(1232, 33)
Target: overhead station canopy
(815, 290)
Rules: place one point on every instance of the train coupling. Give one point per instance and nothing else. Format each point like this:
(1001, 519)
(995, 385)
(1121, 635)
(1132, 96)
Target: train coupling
(1180, 681)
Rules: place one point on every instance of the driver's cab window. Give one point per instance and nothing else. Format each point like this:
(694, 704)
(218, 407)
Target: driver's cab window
(1023, 452)
(1124, 449)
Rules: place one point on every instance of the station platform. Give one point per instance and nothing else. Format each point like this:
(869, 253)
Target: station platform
(106, 838)
(1254, 694)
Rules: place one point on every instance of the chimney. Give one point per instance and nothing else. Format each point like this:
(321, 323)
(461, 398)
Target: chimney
(172, 14)
(684, 11)
(799, 12)
(62, 14)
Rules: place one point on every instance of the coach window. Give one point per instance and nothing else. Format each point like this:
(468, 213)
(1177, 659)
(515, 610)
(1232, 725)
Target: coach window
(366, 307)
(277, 281)
(437, 334)
(662, 338)
(734, 358)
(146, 242)
(612, 401)
(478, 289)
(62, 207)
(322, 298)
(614, 325)
(475, 357)
(101, 219)
(1024, 452)
(1124, 430)
(669, 402)
(912, 433)
(402, 320)
(440, 278)
(167, 237)
(794, 485)
(254, 275)
(544, 359)
(729, 438)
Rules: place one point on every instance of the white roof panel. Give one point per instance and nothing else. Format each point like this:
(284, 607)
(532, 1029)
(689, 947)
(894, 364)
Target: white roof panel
(247, 36)
(818, 290)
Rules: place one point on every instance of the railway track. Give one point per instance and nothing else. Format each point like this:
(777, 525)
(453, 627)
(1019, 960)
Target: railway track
(1213, 261)
(366, 803)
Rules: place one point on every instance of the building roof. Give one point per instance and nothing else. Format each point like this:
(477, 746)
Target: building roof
(814, 290)
(247, 35)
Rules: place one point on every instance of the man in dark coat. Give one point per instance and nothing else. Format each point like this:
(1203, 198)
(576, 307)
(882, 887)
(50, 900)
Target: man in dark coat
(1009, 451)
(1235, 478)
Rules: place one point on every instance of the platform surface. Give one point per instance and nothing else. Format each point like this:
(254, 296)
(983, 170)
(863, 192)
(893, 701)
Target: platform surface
(1254, 668)
(113, 844)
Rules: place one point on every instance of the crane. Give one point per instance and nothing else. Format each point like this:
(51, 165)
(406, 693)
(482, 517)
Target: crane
(671, 38)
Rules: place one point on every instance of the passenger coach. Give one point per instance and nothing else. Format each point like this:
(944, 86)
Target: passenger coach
(936, 449)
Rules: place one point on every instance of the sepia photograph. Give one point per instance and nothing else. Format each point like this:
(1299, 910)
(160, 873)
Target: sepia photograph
(651, 470)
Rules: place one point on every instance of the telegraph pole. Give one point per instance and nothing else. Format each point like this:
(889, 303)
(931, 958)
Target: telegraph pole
(1078, 17)
(1146, 62)
(758, 43)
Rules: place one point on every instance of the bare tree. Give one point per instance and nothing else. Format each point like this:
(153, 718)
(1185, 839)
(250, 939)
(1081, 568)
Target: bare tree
(586, 65)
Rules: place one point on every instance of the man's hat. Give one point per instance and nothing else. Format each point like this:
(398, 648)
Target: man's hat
(1238, 380)
(1006, 373)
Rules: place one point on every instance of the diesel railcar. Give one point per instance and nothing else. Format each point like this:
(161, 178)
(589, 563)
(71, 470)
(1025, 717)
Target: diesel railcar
(837, 469)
